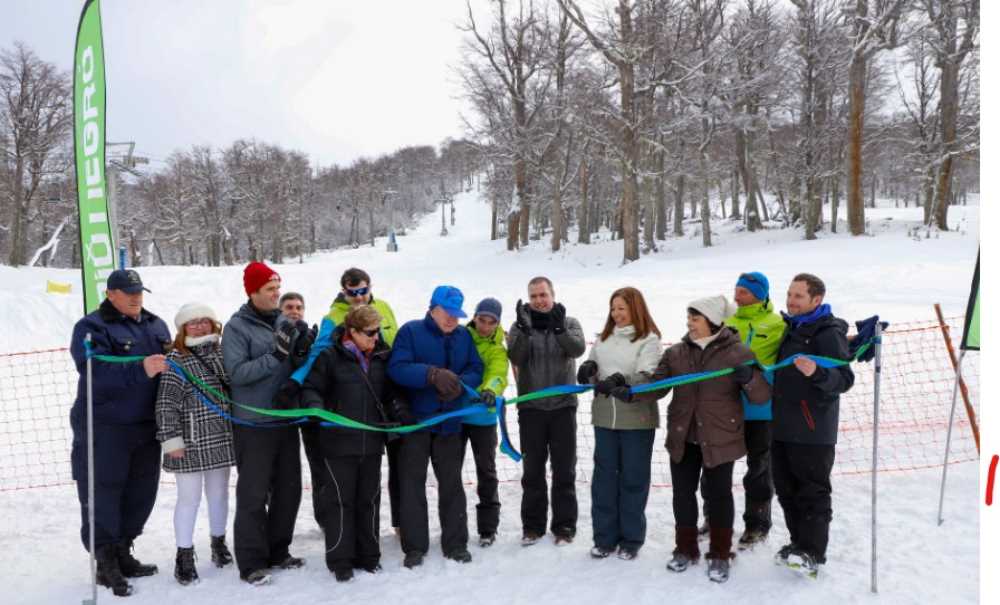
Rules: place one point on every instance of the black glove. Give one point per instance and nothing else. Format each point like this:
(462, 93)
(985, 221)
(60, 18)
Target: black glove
(289, 396)
(523, 320)
(622, 393)
(606, 386)
(307, 336)
(588, 370)
(742, 374)
(445, 382)
(488, 398)
(557, 318)
(283, 341)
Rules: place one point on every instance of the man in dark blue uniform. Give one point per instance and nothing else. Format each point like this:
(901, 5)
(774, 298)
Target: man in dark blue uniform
(126, 453)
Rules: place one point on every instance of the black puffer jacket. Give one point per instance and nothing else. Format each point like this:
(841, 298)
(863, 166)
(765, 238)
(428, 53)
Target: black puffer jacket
(338, 383)
(807, 408)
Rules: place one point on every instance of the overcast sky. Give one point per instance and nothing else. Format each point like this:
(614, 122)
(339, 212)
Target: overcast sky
(335, 79)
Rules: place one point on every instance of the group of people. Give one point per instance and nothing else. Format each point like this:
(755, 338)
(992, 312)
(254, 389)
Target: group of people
(210, 398)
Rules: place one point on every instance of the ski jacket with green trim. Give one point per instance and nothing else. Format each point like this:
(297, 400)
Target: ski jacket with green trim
(761, 329)
(496, 365)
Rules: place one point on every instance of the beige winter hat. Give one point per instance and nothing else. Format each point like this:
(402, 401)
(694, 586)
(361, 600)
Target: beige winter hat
(714, 308)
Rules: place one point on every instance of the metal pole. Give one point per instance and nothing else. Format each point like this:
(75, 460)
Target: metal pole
(947, 441)
(878, 384)
(90, 472)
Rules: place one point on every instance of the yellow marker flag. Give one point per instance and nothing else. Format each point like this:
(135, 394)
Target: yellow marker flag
(54, 287)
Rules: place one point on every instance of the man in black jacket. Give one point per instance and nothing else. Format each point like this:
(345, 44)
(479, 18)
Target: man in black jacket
(806, 400)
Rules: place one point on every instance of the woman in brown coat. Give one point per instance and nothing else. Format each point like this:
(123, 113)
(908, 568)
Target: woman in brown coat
(705, 429)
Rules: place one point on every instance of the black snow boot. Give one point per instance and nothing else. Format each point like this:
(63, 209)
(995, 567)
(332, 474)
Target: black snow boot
(109, 573)
(220, 552)
(130, 566)
(184, 569)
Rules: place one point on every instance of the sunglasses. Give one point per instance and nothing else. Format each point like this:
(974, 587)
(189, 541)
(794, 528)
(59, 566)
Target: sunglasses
(369, 333)
(356, 291)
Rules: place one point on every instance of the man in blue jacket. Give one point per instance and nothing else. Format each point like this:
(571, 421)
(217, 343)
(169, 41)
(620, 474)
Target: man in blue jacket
(126, 452)
(432, 359)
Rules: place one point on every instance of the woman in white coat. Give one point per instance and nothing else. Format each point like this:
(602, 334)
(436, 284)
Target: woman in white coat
(626, 353)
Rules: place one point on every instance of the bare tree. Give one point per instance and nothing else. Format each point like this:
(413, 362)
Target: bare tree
(956, 24)
(35, 120)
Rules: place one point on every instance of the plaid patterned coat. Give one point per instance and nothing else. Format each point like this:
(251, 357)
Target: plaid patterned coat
(184, 420)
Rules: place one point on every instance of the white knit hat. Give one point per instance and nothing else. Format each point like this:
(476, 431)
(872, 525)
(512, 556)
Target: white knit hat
(193, 310)
(714, 308)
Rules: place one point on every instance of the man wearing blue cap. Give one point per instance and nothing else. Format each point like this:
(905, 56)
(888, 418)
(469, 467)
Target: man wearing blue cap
(126, 452)
(432, 359)
(761, 329)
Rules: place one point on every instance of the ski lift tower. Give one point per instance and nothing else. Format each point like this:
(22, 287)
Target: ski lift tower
(122, 161)
(391, 245)
(444, 199)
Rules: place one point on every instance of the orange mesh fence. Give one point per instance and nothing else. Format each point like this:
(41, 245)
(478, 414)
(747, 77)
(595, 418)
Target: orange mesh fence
(37, 390)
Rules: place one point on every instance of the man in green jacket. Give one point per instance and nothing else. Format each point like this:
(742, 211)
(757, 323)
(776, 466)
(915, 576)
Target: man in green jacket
(481, 429)
(761, 329)
(356, 290)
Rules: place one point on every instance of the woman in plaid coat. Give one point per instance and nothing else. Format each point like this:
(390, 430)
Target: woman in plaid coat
(197, 441)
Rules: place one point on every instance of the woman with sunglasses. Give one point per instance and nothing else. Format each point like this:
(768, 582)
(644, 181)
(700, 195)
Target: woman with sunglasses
(197, 441)
(350, 379)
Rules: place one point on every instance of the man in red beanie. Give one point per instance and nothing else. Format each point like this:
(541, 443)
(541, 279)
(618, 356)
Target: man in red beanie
(255, 349)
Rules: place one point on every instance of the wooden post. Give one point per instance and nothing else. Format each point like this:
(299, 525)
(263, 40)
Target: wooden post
(971, 413)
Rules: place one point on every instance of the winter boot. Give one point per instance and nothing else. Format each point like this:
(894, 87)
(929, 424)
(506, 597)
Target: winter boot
(487, 540)
(184, 569)
(757, 517)
(530, 538)
(626, 553)
(129, 565)
(343, 574)
(601, 552)
(719, 553)
(289, 562)
(781, 557)
(686, 551)
(109, 572)
(459, 555)
(257, 577)
(413, 559)
(802, 562)
(220, 552)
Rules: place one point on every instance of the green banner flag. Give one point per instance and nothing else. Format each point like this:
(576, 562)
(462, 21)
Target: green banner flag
(89, 102)
(970, 336)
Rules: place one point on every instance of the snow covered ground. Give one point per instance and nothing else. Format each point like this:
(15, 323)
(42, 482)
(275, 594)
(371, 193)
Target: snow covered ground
(892, 274)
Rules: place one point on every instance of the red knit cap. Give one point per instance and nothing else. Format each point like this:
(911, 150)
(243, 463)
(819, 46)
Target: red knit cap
(256, 275)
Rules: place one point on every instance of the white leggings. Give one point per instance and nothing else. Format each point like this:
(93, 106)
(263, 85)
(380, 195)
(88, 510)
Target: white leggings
(216, 483)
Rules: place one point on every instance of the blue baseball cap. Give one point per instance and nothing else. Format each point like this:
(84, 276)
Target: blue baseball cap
(126, 280)
(450, 299)
(756, 283)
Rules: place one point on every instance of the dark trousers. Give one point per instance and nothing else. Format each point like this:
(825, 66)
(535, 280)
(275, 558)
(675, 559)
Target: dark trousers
(717, 489)
(268, 492)
(392, 460)
(484, 452)
(620, 488)
(444, 452)
(802, 480)
(757, 482)
(351, 508)
(546, 434)
(317, 471)
(126, 477)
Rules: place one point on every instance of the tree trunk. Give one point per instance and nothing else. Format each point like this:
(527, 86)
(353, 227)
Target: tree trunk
(855, 135)
(949, 128)
(583, 220)
(706, 216)
(661, 196)
(679, 206)
(834, 202)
